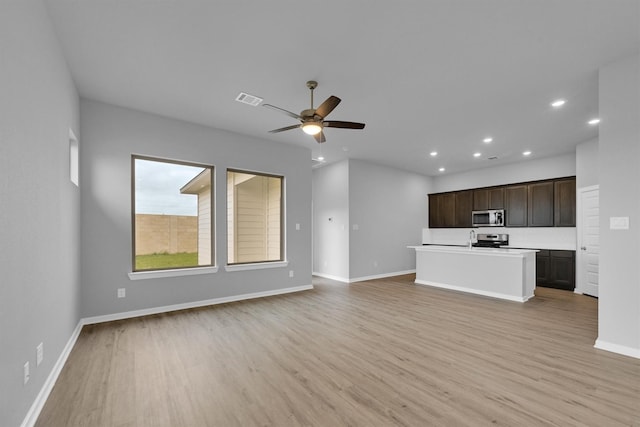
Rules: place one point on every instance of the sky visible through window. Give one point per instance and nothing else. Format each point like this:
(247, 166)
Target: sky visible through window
(158, 187)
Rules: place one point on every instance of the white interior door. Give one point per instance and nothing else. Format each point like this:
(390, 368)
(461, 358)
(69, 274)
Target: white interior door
(588, 253)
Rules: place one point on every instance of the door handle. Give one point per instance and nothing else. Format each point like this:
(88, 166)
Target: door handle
(584, 248)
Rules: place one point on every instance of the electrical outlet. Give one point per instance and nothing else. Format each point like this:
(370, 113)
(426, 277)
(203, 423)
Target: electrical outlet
(290, 273)
(25, 372)
(122, 292)
(39, 354)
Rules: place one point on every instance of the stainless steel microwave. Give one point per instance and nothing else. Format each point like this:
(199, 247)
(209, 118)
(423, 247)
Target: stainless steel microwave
(490, 218)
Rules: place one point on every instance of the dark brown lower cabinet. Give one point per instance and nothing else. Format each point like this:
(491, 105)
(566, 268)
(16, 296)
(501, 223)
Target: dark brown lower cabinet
(556, 269)
(542, 267)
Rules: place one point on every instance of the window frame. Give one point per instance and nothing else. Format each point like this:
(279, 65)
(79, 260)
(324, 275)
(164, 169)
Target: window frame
(74, 159)
(251, 265)
(136, 274)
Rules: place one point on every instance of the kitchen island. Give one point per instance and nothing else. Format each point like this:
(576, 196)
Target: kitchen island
(495, 272)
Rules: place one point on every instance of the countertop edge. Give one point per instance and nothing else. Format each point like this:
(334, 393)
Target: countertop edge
(473, 251)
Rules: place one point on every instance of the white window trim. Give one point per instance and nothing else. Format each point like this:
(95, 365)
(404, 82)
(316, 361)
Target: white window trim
(182, 271)
(155, 274)
(256, 266)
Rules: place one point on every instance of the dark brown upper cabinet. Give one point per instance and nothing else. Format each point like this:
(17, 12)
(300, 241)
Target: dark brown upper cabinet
(480, 199)
(540, 204)
(564, 202)
(548, 203)
(433, 210)
(463, 208)
(442, 210)
(515, 200)
(488, 198)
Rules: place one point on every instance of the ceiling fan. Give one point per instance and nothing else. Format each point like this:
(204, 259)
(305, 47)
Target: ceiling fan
(312, 121)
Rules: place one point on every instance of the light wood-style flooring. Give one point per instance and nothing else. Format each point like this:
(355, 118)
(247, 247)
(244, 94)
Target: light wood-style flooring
(378, 353)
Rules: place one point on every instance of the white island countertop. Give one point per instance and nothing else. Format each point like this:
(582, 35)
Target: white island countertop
(495, 272)
(474, 250)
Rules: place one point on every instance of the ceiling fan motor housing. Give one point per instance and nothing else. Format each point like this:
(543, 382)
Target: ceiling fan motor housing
(309, 114)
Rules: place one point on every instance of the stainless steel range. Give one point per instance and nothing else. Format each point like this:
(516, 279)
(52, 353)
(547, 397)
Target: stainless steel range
(491, 240)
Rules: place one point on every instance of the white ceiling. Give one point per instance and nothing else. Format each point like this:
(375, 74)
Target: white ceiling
(423, 75)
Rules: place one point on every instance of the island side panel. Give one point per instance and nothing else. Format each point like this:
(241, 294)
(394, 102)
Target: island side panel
(500, 276)
(529, 275)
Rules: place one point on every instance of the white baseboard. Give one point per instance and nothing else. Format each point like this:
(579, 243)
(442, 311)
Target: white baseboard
(475, 291)
(381, 276)
(34, 412)
(43, 395)
(363, 278)
(187, 305)
(331, 277)
(617, 348)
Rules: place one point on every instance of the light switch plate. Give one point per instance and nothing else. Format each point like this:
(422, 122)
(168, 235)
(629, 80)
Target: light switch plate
(619, 223)
(39, 354)
(25, 373)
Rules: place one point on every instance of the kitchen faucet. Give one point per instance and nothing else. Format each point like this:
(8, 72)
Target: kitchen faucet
(472, 237)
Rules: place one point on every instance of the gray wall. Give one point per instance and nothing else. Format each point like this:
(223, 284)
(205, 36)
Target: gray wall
(331, 220)
(388, 209)
(39, 206)
(376, 212)
(530, 170)
(110, 135)
(619, 154)
(587, 164)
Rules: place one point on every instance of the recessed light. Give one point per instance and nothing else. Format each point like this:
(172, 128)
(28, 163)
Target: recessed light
(441, 170)
(487, 140)
(477, 154)
(558, 103)
(593, 122)
(526, 153)
(321, 158)
(433, 153)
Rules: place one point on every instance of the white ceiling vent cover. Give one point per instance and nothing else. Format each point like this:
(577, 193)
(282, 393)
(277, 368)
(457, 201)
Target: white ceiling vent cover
(245, 98)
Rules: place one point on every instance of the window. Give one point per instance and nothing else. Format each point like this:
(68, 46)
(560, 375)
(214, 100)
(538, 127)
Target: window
(254, 217)
(172, 214)
(73, 158)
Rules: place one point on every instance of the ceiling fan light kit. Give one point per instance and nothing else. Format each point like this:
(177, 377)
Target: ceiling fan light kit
(312, 119)
(311, 128)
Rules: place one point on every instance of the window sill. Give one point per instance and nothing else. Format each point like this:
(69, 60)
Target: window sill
(155, 274)
(255, 266)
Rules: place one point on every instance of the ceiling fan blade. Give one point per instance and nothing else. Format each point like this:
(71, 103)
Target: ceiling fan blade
(320, 137)
(288, 113)
(343, 125)
(285, 128)
(327, 106)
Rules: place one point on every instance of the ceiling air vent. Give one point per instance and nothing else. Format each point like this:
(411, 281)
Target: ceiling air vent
(245, 98)
(492, 158)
